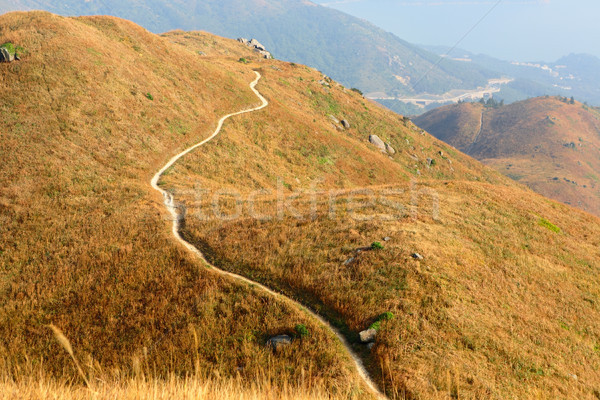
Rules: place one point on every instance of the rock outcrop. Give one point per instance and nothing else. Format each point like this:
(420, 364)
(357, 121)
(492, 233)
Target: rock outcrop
(257, 46)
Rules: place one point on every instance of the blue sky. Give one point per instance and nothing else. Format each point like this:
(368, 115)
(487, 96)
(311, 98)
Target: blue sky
(524, 30)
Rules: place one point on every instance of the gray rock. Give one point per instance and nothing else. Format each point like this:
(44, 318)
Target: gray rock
(256, 44)
(345, 124)
(368, 336)
(429, 162)
(390, 149)
(278, 342)
(417, 256)
(349, 261)
(265, 54)
(6, 56)
(370, 345)
(334, 119)
(387, 239)
(377, 142)
(441, 153)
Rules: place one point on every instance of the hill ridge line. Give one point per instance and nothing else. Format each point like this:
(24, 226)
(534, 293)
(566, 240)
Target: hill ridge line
(169, 202)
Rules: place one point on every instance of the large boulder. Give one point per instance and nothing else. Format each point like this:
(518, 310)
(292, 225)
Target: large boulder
(377, 142)
(390, 149)
(278, 342)
(368, 336)
(346, 124)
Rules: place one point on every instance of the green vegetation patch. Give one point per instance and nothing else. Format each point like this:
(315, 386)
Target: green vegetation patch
(12, 49)
(377, 246)
(547, 224)
(301, 330)
(386, 316)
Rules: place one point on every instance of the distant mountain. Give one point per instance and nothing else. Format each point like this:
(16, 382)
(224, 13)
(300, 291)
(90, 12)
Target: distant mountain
(546, 143)
(351, 50)
(576, 75)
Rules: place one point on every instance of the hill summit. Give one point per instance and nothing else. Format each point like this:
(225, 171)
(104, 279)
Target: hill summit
(551, 144)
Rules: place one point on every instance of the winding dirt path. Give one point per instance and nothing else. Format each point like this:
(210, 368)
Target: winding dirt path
(169, 202)
(476, 139)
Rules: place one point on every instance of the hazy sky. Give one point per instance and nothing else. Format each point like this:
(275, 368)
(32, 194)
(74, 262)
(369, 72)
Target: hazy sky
(525, 30)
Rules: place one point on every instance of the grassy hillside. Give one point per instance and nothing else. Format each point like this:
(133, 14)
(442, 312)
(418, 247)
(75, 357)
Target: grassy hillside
(502, 302)
(349, 49)
(501, 306)
(546, 143)
(91, 112)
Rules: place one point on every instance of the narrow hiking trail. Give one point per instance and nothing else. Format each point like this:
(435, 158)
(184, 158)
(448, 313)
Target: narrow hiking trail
(169, 202)
(470, 148)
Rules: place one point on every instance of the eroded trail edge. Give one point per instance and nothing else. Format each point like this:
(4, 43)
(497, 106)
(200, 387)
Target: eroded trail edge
(169, 202)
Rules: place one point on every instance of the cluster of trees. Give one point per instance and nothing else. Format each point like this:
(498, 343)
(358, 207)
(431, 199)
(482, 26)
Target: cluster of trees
(489, 103)
(567, 100)
(492, 103)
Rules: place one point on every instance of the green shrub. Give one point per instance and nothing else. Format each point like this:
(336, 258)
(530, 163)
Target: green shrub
(376, 246)
(386, 316)
(301, 330)
(149, 96)
(375, 325)
(357, 91)
(547, 224)
(243, 60)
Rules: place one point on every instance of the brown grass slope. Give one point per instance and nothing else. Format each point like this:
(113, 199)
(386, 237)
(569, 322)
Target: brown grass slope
(90, 113)
(505, 303)
(547, 144)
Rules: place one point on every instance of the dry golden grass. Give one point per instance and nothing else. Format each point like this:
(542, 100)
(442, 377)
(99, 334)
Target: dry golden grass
(84, 244)
(173, 388)
(501, 306)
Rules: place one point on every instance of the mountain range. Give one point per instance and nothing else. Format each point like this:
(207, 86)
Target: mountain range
(352, 51)
(575, 75)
